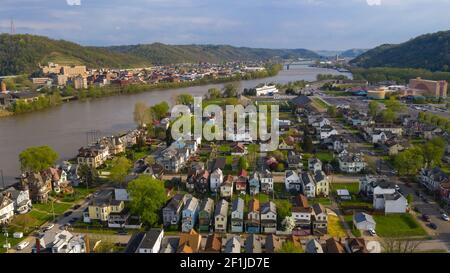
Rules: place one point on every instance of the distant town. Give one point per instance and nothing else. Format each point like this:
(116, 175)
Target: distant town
(360, 168)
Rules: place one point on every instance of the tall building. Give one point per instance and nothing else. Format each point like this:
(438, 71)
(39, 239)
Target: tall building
(429, 88)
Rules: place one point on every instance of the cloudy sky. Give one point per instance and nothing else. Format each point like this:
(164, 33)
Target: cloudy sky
(313, 24)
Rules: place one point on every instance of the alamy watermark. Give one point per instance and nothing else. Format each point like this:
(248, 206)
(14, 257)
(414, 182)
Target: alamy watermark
(189, 126)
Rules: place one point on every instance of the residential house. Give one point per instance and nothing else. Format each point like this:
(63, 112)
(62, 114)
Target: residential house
(213, 243)
(241, 182)
(295, 161)
(309, 185)
(253, 222)
(254, 183)
(334, 246)
(313, 246)
(233, 245)
(266, 180)
(326, 132)
(253, 244)
(205, 215)
(172, 211)
(226, 189)
(292, 182)
(221, 216)
(237, 215)
(356, 245)
(216, 179)
(66, 242)
(90, 156)
(198, 181)
(101, 207)
(391, 202)
(59, 180)
(273, 243)
(238, 149)
(322, 184)
(6, 209)
(189, 242)
(314, 164)
(351, 163)
(269, 217)
(189, 214)
(151, 242)
(39, 187)
(20, 197)
(320, 219)
(284, 146)
(433, 178)
(301, 212)
(364, 221)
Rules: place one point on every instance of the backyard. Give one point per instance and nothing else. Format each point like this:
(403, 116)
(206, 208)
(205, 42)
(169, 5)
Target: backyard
(398, 225)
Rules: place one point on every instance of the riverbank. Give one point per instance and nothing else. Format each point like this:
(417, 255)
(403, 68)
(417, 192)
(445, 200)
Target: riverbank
(21, 107)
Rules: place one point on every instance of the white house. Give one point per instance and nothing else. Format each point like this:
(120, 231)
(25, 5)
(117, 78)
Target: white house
(151, 242)
(314, 164)
(327, 131)
(6, 209)
(66, 242)
(269, 217)
(266, 90)
(221, 216)
(266, 180)
(391, 203)
(351, 163)
(292, 181)
(363, 221)
(215, 180)
(309, 185)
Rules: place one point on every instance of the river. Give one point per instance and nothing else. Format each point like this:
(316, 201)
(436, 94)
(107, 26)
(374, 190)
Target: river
(64, 128)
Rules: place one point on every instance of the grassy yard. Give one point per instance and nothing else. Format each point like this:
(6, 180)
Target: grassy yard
(320, 200)
(335, 227)
(398, 225)
(325, 156)
(353, 188)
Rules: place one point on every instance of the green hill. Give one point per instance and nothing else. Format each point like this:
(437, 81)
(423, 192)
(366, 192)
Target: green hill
(429, 51)
(23, 53)
(158, 53)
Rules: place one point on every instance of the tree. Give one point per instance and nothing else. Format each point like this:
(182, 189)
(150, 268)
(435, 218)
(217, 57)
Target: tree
(433, 151)
(290, 247)
(388, 116)
(160, 110)
(185, 99)
(119, 171)
(331, 110)
(409, 162)
(214, 93)
(230, 90)
(284, 208)
(399, 246)
(410, 199)
(373, 108)
(243, 163)
(87, 174)
(288, 223)
(308, 145)
(141, 114)
(280, 167)
(148, 196)
(36, 159)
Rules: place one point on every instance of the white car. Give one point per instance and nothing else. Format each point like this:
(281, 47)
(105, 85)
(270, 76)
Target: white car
(444, 217)
(49, 227)
(22, 245)
(372, 232)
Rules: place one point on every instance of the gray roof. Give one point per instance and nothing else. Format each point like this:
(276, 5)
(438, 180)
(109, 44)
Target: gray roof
(238, 205)
(233, 245)
(207, 205)
(268, 207)
(150, 238)
(253, 244)
(221, 208)
(363, 217)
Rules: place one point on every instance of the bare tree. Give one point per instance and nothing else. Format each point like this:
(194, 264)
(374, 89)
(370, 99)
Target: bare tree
(400, 246)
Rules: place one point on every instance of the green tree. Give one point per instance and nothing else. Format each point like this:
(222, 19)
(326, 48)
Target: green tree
(148, 196)
(433, 151)
(214, 93)
(185, 99)
(160, 110)
(120, 169)
(230, 90)
(308, 145)
(290, 247)
(388, 116)
(373, 108)
(243, 163)
(141, 114)
(331, 110)
(280, 167)
(36, 159)
(409, 161)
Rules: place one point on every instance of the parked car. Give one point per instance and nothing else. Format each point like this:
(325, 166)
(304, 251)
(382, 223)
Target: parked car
(18, 235)
(432, 225)
(22, 245)
(444, 216)
(48, 227)
(67, 213)
(426, 218)
(76, 206)
(372, 232)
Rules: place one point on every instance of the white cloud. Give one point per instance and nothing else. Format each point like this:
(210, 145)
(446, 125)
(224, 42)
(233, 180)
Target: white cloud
(374, 2)
(73, 2)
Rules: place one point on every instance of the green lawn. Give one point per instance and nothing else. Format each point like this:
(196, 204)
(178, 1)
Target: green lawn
(398, 225)
(59, 208)
(351, 187)
(325, 156)
(320, 200)
(225, 148)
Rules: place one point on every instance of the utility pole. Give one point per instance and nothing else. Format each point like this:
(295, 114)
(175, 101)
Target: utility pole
(3, 179)
(5, 233)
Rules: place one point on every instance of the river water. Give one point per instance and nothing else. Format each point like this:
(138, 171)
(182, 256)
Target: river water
(64, 128)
